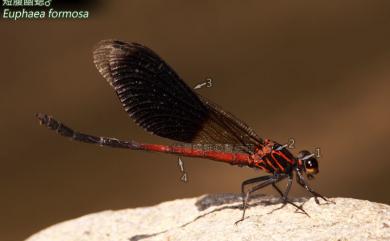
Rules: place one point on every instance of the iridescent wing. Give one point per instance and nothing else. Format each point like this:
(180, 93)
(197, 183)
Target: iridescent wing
(161, 103)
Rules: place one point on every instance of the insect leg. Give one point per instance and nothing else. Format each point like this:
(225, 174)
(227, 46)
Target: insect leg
(278, 190)
(247, 182)
(301, 181)
(265, 181)
(284, 196)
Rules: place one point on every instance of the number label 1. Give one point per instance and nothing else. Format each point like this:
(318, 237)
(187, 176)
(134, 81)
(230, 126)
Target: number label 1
(318, 152)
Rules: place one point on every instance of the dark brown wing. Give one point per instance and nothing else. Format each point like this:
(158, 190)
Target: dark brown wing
(225, 124)
(160, 102)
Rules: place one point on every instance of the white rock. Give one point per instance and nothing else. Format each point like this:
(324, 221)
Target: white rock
(212, 217)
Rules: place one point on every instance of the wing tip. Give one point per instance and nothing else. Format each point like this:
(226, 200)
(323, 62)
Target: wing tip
(114, 44)
(105, 49)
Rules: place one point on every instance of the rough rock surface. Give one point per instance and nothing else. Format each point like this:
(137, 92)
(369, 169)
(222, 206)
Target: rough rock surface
(212, 217)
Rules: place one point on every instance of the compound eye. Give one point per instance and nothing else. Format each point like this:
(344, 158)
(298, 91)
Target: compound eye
(311, 163)
(311, 166)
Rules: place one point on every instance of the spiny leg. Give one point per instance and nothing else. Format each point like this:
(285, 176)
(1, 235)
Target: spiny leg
(277, 189)
(250, 181)
(284, 196)
(265, 181)
(301, 181)
(245, 196)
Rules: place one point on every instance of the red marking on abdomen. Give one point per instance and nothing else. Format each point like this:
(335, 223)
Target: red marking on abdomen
(227, 157)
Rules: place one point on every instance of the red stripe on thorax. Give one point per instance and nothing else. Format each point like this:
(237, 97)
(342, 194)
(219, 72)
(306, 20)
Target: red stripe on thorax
(277, 162)
(269, 163)
(285, 157)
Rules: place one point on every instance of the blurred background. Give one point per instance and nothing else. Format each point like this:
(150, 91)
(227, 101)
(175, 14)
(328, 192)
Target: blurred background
(317, 71)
